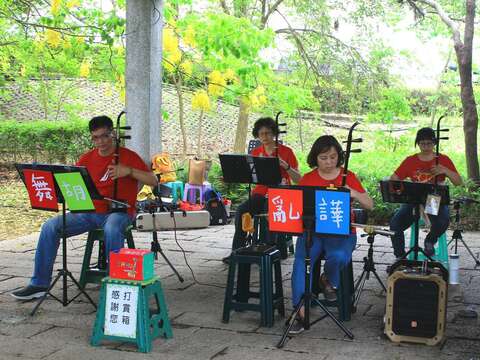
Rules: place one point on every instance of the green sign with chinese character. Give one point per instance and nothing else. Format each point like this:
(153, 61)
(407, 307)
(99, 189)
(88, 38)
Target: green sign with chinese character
(74, 191)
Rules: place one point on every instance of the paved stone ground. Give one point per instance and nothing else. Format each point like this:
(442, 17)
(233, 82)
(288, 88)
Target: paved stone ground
(195, 310)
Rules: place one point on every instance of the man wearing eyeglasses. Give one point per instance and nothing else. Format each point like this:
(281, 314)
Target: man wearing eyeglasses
(423, 167)
(100, 163)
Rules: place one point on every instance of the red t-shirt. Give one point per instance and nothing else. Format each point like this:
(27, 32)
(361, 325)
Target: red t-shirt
(419, 171)
(313, 178)
(287, 155)
(127, 186)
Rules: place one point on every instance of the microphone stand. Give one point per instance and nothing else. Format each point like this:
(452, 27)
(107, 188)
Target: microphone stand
(155, 245)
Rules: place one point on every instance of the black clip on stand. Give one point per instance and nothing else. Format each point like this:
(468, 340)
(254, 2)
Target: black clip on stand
(457, 230)
(155, 245)
(368, 262)
(307, 299)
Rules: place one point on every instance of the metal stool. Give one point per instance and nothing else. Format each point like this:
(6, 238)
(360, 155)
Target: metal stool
(95, 273)
(268, 260)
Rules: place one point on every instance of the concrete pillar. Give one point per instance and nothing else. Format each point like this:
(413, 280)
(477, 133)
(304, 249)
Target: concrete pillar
(143, 76)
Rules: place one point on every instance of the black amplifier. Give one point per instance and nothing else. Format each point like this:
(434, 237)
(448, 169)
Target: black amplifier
(416, 304)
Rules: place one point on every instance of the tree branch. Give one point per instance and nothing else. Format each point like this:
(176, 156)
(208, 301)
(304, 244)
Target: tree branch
(270, 11)
(444, 17)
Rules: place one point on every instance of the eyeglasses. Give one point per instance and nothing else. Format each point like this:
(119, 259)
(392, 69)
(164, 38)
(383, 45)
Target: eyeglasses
(103, 136)
(425, 143)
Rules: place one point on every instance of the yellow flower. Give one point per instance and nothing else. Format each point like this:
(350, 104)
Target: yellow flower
(187, 67)
(189, 37)
(53, 38)
(55, 8)
(230, 75)
(201, 101)
(23, 70)
(72, 3)
(85, 68)
(175, 56)
(216, 83)
(257, 97)
(66, 44)
(170, 40)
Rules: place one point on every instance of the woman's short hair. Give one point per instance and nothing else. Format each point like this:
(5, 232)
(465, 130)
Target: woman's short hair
(323, 144)
(267, 122)
(425, 133)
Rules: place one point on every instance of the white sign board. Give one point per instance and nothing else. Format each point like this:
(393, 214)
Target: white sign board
(121, 310)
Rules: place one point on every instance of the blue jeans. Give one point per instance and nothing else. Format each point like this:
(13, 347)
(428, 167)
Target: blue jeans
(404, 217)
(113, 226)
(337, 252)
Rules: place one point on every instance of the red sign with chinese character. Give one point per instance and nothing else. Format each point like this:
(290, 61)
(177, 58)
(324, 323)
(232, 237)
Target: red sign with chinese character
(285, 209)
(41, 189)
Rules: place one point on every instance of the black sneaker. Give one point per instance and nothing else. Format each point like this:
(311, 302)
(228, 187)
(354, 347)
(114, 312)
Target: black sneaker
(297, 327)
(29, 292)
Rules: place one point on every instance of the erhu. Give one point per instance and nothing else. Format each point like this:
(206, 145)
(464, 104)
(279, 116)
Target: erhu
(349, 150)
(118, 205)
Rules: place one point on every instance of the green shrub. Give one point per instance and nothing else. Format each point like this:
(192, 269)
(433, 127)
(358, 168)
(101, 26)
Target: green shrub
(43, 141)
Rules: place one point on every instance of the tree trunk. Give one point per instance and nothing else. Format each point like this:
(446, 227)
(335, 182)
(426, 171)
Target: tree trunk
(470, 114)
(181, 112)
(242, 128)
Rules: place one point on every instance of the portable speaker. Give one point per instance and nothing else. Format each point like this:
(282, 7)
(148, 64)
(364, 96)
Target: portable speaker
(416, 306)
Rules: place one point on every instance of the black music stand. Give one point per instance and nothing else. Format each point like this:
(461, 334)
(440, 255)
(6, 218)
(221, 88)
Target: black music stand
(309, 225)
(407, 192)
(248, 169)
(93, 193)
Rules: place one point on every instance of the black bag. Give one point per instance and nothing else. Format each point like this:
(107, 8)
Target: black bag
(215, 206)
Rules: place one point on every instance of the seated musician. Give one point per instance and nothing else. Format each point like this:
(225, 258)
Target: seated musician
(100, 164)
(326, 158)
(422, 167)
(266, 130)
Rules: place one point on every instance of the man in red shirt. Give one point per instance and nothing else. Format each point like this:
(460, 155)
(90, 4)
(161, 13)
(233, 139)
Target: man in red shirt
(100, 163)
(264, 129)
(422, 167)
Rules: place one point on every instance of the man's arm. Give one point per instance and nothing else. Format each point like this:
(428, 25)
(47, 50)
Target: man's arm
(145, 177)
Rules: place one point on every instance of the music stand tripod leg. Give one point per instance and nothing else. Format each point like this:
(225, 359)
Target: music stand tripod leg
(306, 299)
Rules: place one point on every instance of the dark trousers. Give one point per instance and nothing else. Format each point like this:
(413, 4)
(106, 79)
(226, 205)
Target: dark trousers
(257, 205)
(404, 217)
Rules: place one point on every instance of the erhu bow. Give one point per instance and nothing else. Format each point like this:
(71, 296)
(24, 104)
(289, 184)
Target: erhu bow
(349, 151)
(118, 205)
(278, 131)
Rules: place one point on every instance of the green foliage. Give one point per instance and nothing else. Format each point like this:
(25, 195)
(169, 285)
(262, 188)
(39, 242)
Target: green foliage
(43, 141)
(391, 106)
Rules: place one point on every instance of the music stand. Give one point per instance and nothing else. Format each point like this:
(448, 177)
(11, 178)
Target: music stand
(248, 169)
(407, 192)
(306, 205)
(67, 185)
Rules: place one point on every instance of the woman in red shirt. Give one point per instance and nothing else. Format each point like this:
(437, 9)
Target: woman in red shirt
(264, 129)
(326, 158)
(422, 167)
